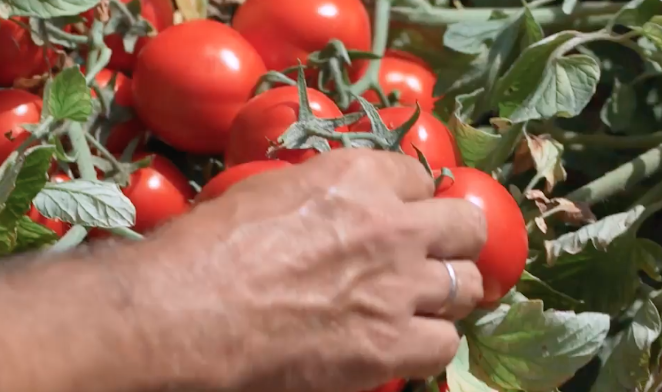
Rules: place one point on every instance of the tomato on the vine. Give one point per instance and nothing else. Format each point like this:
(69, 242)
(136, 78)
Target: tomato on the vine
(159, 192)
(232, 175)
(503, 258)
(395, 385)
(191, 80)
(122, 134)
(122, 87)
(16, 107)
(157, 12)
(58, 226)
(266, 117)
(428, 134)
(407, 74)
(20, 57)
(285, 31)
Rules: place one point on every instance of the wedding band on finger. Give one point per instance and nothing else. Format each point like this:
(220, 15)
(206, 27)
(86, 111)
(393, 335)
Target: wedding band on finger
(452, 291)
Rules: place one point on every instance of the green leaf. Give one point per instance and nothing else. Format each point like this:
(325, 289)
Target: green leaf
(648, 254)
(474, 144)
(88, 203)
(472, 37)
(192, 9)
(626, 364)
(653, 32)
(31, 235)
(44, 9)
(20, 183)
(541, 85)
(600, 234)
(458, 376)
(522, 347)
(636, 12)
(618, 110)
(69, 97)
(533, 287)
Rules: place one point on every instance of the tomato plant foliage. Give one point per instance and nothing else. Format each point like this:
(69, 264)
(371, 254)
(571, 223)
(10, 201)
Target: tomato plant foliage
(119, 115)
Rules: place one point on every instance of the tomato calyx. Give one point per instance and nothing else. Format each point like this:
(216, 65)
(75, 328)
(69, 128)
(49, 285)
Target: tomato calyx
(333, 62)
(444, 172)
(127, 21)
(310, 132)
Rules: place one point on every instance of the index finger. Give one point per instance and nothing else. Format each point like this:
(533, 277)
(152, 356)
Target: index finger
(402, 174)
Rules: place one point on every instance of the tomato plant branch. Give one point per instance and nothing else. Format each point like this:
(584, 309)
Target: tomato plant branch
(103, 151)
(58, 33)
(585, 14)
(651, 196)
(121, 7)
(618, 179)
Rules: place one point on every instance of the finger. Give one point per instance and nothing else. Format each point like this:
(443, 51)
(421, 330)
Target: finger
(428, 347)
(402, 174)
(453, 228)
(435, 289)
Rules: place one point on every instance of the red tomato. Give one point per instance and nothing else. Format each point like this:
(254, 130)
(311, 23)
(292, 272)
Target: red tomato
(58, 226)
(190, 82)
(122, 88)
(503, 258)
(395, 385)
(16, 107)
(443, 387)
(286, 30)
(224, 180)
(157, 12)
(19, 56)
(266, 117)
(123, 133)
(407, 74)
(428, 134)
(159, 192)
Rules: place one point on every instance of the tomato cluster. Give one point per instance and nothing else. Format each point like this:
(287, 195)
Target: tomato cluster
(193, 86)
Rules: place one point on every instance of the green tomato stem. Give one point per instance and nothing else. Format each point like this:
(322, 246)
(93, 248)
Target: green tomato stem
(63, 35)
(618, 179)
(651, 196)
(585, 15)
(603, 140)
(74, 236)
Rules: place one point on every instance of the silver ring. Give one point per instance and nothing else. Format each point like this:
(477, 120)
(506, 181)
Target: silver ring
(452, 291)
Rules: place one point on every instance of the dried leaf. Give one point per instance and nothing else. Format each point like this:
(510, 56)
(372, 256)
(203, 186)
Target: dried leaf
(544, 154)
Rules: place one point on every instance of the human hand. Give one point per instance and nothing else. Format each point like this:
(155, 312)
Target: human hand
(326, 276)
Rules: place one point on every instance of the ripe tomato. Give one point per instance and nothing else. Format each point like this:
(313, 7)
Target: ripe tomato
(407, 74)
(157, 12)
(503, 258)
(443, 387)
(266, 117)
(395, 385)
(19, 56)
(123, 133)
(190, 82)
(286, 30)
(224, 180)
(16, 107)
(159, 192)
(58, 226)
(122, 88)
(428, 134)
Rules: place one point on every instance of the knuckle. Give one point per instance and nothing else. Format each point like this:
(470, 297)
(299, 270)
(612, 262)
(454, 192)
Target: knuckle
(476, 222)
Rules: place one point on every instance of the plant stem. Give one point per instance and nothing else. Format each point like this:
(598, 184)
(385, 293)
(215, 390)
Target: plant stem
(585, 14)
(610, 141)
(74, 236)
(103, 150)
(63, 35)
(653, 195)
(124, 10)
(620, 178)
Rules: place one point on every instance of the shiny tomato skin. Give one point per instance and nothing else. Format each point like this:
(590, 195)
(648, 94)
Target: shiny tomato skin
(157, 12)
(19, 56)
(428, 134)
(122, 88)
(58, 226)
(230, 176)
(284, 31)
(395, 385)
(123, 133)
(159, 192)
(407, 74)
(503, 258)
(266, 117)
(191, 80)
(16, 107)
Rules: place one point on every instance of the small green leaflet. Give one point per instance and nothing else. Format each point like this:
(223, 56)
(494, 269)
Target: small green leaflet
(44, 9)
(31, 235)
(618, 110)
(69, 97)
(88, 203)
(636, 12)
(522, 347)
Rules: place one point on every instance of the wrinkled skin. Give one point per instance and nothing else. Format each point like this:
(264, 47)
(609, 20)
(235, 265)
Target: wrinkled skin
(321, 276)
